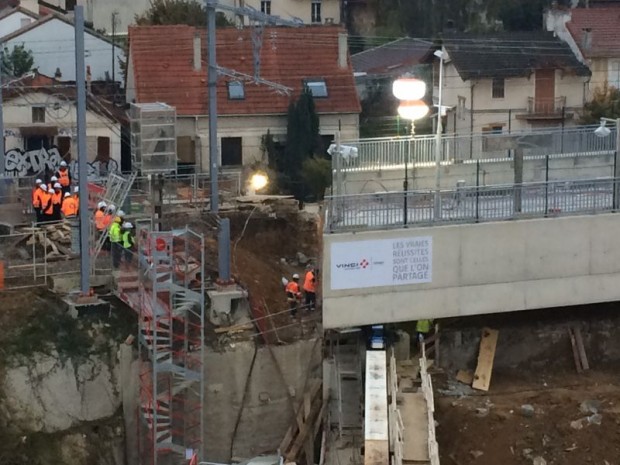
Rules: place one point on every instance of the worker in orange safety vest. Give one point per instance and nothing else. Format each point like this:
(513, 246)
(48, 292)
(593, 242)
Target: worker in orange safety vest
(56, 202)
(47, 205)
(310, 288)
(293, 295)
(64, 177)
(69, 206)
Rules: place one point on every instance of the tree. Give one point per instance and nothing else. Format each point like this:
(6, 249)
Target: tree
(302, 139)
(190, 12)
(17, 62)
(605, 103)
(317, 175)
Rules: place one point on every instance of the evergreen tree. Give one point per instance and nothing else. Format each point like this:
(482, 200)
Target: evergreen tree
(16, 62)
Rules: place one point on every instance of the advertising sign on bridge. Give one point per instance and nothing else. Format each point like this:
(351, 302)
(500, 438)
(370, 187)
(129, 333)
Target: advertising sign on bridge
(386, 262)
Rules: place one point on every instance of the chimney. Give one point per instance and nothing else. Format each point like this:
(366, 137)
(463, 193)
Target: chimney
(586, 38)
(342, 50)
(197, 52)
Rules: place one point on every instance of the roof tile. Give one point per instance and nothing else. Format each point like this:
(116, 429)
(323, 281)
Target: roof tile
(604, 24)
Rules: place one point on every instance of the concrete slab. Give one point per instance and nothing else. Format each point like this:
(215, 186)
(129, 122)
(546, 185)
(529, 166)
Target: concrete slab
(69, 283)
(80, 307)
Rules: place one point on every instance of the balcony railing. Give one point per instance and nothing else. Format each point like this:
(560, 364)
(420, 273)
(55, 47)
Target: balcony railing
(546, 106)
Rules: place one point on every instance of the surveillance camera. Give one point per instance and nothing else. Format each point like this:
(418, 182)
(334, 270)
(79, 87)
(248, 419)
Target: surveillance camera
(602, 131)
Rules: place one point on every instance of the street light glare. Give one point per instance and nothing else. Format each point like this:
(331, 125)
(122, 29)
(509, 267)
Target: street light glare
(258, 181)
(408, 89)
(413, 110)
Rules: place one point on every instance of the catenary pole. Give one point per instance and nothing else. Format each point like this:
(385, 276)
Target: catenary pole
(80, 83)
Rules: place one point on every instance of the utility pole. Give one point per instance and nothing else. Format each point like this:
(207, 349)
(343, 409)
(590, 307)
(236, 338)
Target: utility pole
(2, 147)
(212, 83)
(80, 84)
(114, 48)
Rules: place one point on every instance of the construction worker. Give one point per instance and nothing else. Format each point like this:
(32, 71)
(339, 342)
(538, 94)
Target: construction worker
(115, 235)
(64, 177)
(69, 206)
(36, 198)
(127, 241)
(423, 328)
(310, 288)
(100, 217)
(47, 205)
(53, 180)
(293, 295)
(57, 201)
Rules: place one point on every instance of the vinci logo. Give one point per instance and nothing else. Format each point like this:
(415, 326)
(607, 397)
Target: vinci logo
(364, 264)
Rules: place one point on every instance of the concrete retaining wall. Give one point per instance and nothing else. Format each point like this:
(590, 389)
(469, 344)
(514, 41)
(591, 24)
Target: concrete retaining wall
(271, 392)
(485, 268)
(491, 173)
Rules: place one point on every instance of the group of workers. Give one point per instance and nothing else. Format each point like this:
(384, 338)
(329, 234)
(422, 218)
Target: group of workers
(120, 240)
(55, 200)
(294, 292)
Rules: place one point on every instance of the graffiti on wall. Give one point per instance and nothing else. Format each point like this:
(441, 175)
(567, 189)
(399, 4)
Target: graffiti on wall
(19, 163)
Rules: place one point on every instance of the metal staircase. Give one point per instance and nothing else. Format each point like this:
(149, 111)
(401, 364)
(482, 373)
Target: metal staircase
(165, 290)
(116, 191)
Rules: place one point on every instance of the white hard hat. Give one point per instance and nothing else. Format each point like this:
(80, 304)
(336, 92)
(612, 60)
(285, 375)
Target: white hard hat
(43, 186)
(121, 213)
(295, 276)
(38, 181)
(101, 204)
(63, 163)
(67, 194)
(127, 225)
(111, 208)
(76, 189)
(57, 186)
(54, 179)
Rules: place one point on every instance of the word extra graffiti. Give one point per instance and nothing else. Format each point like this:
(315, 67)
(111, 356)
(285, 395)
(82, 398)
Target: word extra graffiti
(18, 163)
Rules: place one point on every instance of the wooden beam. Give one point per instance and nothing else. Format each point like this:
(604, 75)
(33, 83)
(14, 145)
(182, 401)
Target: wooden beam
(576, 357)
(488, 344)
(581, 349)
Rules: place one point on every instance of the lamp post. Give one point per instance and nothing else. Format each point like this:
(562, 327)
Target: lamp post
(604, 131)
(409, 91)
(437, 204)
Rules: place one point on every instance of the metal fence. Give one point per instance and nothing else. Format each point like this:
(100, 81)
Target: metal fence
(383, 153)
(471, 204)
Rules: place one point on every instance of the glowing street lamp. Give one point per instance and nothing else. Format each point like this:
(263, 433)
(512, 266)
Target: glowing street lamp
(409, 91)
(257, 182)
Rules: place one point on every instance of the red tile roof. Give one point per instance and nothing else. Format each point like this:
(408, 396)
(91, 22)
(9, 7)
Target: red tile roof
(604, 23)
(162, 58)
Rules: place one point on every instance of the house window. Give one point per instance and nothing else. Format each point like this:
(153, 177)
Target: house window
(460, 109)
(265, 7)
(232, 154)
(103, 149)
(498, 87)
(64, 147)
(315, 12)
(38, 114)
(613, 75)
(236, 90)
(317, 87)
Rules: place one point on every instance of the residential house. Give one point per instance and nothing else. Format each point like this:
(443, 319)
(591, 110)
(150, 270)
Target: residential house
(505, 82)
(167, 64)
(51, 39)
(13, 19)
(40, 124)
(593, 34)
(307, 12)
(389, 61)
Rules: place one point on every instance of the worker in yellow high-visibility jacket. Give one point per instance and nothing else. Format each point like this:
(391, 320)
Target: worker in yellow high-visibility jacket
(423, 328)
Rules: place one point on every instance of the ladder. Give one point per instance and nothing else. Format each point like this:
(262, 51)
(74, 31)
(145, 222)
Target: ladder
(116, 192)
(348, 365)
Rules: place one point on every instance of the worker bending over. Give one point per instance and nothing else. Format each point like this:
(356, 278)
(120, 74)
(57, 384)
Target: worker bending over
(69, 206)
(423, 328)
(293, 295)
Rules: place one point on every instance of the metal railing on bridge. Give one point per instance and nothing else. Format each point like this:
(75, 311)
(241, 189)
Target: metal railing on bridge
(387, 210)
(386, 153)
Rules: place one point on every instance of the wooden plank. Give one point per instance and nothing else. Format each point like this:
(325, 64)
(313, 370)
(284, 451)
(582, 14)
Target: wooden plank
(314, 389)
(413, 410)
(234, 328)
(488, 343)
(576, 357)
(305, 430)
(581, 349)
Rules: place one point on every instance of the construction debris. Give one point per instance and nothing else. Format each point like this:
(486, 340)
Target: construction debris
(54, 238)
(579, 351)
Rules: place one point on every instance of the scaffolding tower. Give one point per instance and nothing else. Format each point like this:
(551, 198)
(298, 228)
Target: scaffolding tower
(166, 289)
(153, 138)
